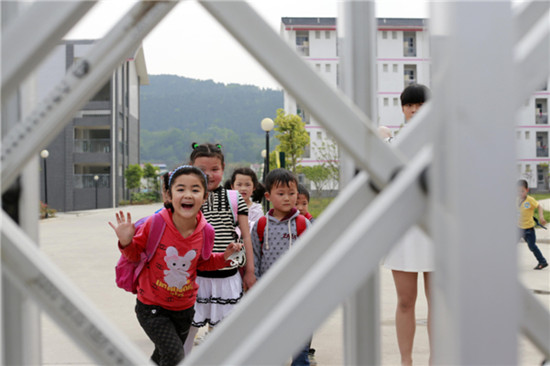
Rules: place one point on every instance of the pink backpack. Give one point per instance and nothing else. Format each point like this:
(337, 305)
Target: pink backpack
(127, 272)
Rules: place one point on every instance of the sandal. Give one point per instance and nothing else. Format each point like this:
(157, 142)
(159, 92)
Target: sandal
(541, 266)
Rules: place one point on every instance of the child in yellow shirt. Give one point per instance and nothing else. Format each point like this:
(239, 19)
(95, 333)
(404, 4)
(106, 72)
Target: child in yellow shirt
(526, 223)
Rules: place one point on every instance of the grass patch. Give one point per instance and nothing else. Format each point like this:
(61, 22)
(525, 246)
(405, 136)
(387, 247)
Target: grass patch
(318, 205)
(538, 197)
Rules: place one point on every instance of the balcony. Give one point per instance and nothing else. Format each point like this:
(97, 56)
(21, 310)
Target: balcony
(303, 50)
(542, 152)
(541, 118)
(87, 181)
(92, 145)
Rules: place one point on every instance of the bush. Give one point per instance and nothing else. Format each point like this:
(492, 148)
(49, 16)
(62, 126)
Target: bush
(142, 198)
(45, 211)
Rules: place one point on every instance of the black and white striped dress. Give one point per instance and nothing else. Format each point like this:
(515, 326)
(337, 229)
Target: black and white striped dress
(219, 290)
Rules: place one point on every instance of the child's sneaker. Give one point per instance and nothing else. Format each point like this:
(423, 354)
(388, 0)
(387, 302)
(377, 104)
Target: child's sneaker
(311, 356)
(541, 266)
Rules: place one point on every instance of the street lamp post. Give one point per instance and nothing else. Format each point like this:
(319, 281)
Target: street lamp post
(44, 155)
(267, 125)
(96, 180)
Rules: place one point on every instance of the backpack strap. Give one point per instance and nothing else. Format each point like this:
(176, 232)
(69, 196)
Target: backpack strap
(260, 228)
(233, 198)
(208, 235)
(155, 233)
(301, 224)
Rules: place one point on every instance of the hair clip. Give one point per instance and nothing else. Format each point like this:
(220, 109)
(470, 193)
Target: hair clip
(219, 146)
(194, 145)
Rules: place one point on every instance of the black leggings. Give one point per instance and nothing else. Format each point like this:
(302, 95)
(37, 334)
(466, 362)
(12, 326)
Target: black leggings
(167, 329)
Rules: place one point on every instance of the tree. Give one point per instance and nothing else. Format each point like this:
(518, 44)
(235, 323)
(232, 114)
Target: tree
(133, 176)
(317, 174)
(327, 152)
(150, 173)
(293, 137)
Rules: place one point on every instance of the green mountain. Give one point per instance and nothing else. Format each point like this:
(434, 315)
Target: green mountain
(176, 111)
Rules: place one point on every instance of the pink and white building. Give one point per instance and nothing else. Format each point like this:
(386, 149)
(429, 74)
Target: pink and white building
(403, 50)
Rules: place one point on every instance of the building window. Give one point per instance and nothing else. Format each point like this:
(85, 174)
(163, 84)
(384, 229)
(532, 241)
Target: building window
(527, 135)
(327, 67)
(104, 94)
(395, 102)
(385, 67)
(302, 42)
(307, 149)
(394, 35)
(304, 115)
(317, 34)
(409, 74)
(384, 35)
(92, 141)
(395, 68)
(327, 34)
(409, 44)
(386, 102)
(319, 135)
(318, 67)
(541, 111)
(542, 144)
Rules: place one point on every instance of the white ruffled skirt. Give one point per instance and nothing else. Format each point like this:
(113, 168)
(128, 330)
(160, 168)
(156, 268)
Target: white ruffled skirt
(216, 298)
(413, 253)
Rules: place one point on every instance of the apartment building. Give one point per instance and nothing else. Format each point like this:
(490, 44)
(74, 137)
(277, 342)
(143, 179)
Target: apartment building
(86, 162)
(403, 57)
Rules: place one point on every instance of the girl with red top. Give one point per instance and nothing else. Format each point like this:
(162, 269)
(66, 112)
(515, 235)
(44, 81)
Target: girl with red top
(166, 286)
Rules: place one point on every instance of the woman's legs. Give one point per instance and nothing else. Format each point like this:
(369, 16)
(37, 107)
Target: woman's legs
(427, 284)
(405, 322)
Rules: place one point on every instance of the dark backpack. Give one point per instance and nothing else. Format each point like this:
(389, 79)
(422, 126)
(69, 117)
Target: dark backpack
(127, 272)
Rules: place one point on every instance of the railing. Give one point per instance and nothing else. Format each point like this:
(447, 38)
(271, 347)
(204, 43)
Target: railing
(541, 118)
(409, 51)
(92, 146)
(542, 152)
(302, 50)
(88, 181)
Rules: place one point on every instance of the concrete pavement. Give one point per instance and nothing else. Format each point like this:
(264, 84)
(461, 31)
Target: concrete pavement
(84, 246)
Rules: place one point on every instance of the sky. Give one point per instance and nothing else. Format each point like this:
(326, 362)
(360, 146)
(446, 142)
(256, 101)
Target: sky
(189, 42)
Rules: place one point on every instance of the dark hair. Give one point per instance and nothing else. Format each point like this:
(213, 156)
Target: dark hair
(279, 176)
(303, 190)
(206, 150)
(166, 186)
(523, 183)
(244, 171)
(186, 170)
(258, 193)
(259, 189)
(414, 94)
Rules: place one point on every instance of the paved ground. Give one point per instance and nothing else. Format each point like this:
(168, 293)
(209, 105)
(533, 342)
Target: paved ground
(84, 246)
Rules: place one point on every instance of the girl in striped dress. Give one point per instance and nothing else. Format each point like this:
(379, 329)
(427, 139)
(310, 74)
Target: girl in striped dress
(221, 290)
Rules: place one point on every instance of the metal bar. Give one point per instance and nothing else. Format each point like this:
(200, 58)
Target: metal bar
(532, 64)
(35, 275)
(473, 169)
(337, 114)
(535, 321)
(29, 39)
(27, 137)
(358, 65)
(253, 336)
(528, 14)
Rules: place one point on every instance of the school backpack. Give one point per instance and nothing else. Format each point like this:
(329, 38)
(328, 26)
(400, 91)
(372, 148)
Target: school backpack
(127, 272)
(301, 226)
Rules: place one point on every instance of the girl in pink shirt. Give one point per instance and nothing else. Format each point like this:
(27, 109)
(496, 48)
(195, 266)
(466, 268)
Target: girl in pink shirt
(166, 290)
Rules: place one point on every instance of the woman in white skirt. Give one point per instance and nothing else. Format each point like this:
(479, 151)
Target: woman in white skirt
(413, 254)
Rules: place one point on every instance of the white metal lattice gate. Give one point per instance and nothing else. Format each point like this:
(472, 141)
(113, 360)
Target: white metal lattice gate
(487, 58)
